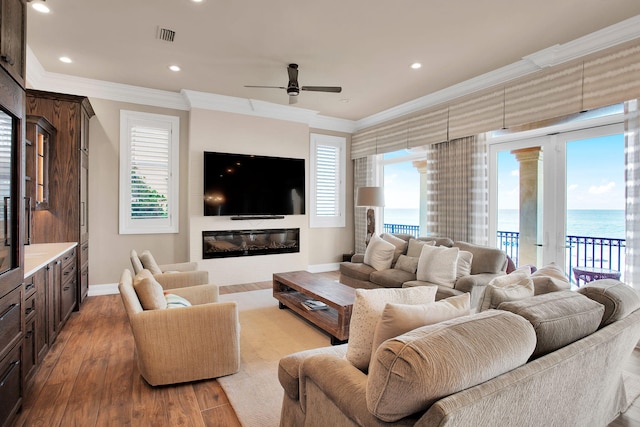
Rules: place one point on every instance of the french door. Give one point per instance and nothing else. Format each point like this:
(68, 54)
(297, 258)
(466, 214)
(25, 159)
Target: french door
(546, 188)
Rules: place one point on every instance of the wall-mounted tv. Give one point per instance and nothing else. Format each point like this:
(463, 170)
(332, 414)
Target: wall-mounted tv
(247, 185)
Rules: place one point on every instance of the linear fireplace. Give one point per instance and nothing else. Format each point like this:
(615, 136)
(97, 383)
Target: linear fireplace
(236, 243)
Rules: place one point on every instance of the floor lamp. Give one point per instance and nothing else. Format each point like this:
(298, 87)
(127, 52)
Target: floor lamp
(370, 197)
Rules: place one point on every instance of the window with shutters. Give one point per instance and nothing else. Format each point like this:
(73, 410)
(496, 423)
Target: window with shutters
(148, 173)
(328, 169)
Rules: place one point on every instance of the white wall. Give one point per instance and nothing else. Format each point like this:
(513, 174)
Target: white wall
(236, 133)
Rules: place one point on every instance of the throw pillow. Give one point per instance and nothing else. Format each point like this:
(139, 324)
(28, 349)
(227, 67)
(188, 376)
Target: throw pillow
(149, 291)
(551, 270)
(495, 295)
(175, 301)
(549, 278)
(379, 253)
(407, 263)
(415, 246)
(149, 262)
(400, 244)
(438, 264)
(367, 309)
(396, 319)
(463, 268)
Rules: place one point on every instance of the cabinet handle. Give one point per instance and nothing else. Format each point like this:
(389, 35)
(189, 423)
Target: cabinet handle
(66, 288)
(7, 238)
(8, 310)
(29, 286)
(28, 335)
(28, 310)
(29, 214)
(6, 58)
(6, 376)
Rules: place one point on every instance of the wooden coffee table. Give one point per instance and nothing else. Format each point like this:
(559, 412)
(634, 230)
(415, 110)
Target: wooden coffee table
(292, 288)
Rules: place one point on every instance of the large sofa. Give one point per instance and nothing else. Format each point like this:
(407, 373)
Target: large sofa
(486, 264)
(549, 360)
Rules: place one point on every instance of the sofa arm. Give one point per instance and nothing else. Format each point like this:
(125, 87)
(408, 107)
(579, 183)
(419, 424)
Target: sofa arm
(182, 279)
(179, 266)
(199, 294)
(359, 258)
(166, 354)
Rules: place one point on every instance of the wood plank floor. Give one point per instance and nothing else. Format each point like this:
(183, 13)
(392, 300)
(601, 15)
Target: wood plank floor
(90, 378)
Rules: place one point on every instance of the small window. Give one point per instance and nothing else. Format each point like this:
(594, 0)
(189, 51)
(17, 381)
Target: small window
(328, 170)
(148, 173)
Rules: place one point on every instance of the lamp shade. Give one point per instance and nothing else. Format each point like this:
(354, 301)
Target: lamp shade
(370, 196)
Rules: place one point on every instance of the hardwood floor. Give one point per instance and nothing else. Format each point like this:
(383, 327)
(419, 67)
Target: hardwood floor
(90, 378)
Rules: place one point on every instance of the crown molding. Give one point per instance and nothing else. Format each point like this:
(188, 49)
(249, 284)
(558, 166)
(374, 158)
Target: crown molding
(613, 35)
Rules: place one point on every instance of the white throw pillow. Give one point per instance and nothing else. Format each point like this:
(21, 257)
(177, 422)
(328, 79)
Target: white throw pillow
(438, 265)
(397, 319)
(367, 309)
(400, 244)
(463, 268)
(509, 287)
(379, 253)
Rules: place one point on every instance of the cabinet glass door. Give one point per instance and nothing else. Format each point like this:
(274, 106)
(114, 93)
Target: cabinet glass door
(6, 139)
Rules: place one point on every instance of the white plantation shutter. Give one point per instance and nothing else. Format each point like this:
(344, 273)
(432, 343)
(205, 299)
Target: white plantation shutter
(328, 166)
(148, 173)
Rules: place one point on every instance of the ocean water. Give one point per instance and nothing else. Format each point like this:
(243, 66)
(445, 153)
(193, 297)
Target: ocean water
(592, 223)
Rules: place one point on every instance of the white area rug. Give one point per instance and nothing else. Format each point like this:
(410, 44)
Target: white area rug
(266, 335)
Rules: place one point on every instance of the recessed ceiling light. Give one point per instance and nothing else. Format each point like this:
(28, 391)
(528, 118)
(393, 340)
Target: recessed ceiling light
(197, 1)
(416, 65)
(40, 7)
(345, 100)
(174, 67)
(65, 59)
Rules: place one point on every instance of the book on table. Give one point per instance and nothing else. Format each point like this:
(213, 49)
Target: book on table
(311, 304)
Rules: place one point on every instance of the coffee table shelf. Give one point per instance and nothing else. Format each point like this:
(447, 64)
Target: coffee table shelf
(292, 288)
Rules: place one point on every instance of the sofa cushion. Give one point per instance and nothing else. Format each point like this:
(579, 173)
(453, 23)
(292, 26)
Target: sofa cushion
(176, 301)
(357, 270)
(396, 319)
(618, 299)
(149, 291)
(438, 264)
(550, 278)
(438, 241)
(414, 248)
(559, 318)
(400, 244)
(367, 309)
(149, 262)
(485, 259)
(379, 253)
(407, 263)
(412, 371)
(509, 287)
(391, 278)
(463, 267)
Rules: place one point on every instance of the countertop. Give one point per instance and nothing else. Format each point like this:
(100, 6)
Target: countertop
(38, 255)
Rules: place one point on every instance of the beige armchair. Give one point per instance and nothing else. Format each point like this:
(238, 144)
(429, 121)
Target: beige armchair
(170, 276)
(176, 345)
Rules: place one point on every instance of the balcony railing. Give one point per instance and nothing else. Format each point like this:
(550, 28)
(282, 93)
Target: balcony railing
(413, 230)
(581, 251)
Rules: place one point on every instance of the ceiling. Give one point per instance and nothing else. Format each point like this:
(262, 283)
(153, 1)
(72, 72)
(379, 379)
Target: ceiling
(365, 46)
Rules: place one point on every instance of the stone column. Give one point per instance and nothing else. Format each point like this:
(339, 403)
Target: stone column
(530, 160)
(421, 166)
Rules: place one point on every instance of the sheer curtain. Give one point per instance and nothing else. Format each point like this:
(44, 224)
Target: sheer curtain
(632, 193)
(457, 190)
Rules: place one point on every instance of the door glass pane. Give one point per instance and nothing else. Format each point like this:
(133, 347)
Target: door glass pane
(595, 205)
(508, 221)
(402, 198)
(6, 138)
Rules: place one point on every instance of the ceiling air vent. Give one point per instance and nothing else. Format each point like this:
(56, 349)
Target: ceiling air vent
(166, 34)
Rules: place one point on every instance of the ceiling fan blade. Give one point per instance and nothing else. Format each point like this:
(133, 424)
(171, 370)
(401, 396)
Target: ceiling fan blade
(293, 99)
(268, 87)
(334, 89)
(292, 69)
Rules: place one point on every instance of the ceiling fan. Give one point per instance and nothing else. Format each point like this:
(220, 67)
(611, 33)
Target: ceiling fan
(293, 88)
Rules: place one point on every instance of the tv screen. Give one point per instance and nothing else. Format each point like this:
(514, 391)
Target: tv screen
(240, 184)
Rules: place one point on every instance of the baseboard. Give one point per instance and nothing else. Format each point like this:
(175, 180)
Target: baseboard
(106, 289)
(321, 268)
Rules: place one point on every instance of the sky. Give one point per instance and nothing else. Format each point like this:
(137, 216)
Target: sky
(595, 175)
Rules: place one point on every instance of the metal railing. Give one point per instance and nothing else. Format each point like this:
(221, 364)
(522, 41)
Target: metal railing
(413, 230)
(581, 251)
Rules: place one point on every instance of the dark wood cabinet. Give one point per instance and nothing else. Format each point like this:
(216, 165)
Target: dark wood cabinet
(66, 217)
(13, 16)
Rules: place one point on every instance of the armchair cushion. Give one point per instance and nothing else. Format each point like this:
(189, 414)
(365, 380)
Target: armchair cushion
(438, 265)
(367, 309)
(149, 262)
(149, 291)
(410, 372)
(175, 301)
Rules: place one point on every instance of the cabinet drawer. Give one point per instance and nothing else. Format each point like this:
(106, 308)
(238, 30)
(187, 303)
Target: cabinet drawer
(68, 258)
(10, 383)
(10, 312)
(29, 348)
(68, 272)
(30, 306)
(29, 287)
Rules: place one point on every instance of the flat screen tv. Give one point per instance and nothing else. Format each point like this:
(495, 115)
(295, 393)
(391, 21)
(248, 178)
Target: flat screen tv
(247, 185)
